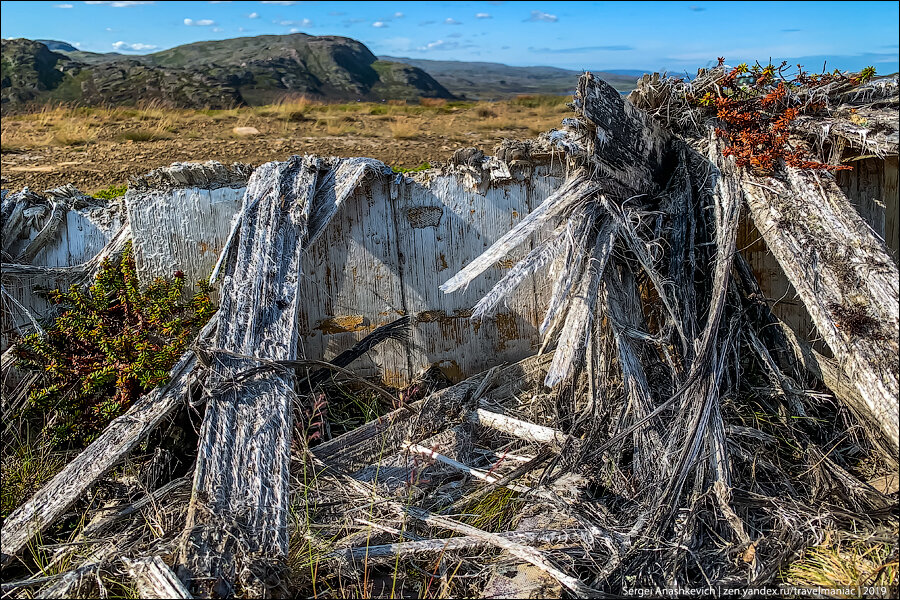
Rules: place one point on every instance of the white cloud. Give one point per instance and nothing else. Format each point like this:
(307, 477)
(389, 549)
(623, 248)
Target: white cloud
(398, 15)
(136, 47)
(121, 4)
(379, 24)
(63, 5)
(537, 15)
(294, 30)
(218, 29)
(451, 21)
(300, 23)
(253, 15)
(281, 2)
(199, 22)
(482, 16)
(438, 45)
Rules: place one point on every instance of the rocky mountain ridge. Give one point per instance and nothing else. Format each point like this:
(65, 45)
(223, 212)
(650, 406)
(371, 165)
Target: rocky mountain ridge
(220, 74)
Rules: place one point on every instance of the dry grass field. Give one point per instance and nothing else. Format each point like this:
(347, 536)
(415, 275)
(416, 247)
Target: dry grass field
(95, 148)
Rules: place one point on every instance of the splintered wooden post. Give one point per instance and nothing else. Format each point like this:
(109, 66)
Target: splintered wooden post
(626, 145)
(237, 519)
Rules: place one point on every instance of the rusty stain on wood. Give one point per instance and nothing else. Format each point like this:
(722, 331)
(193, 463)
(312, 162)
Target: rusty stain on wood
(343, 324)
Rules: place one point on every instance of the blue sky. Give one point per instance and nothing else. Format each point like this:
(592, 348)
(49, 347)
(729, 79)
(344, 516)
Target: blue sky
(674, 36)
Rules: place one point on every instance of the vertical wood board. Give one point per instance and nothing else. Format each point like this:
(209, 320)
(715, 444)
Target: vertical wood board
(181, 229)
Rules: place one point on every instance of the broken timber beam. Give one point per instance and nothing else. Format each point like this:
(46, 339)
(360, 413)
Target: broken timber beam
(239, 502)
(842, 273)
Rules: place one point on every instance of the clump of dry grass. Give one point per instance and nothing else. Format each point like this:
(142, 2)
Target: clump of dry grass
(289, 108)
(857, 566)
(403, 129)
(25, 467)
(72, 132)
(433, 102)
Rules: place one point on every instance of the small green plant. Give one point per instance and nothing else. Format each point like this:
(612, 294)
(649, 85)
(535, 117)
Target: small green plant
(110, 344)
(113, 191)
(865, 75)
(497, 511)
(421, 167)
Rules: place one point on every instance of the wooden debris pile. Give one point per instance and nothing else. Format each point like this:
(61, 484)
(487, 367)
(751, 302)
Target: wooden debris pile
(667, 432)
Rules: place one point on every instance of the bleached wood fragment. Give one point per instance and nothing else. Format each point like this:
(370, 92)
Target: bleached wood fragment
(629, 147)
(517, 427)
(650, 457)
(525, 268)
(465, 542)
(13, 214)
(577, 188)
(578, 229)
(577, 328)
(521, 551)
(154, 579)
(476, 473)
(80, 273)
(48, 231)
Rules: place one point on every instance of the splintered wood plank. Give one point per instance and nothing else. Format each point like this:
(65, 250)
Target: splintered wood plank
(842, 273)
(154, 579)
(238, 511)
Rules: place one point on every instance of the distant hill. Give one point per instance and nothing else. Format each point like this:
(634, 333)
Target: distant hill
(219, 74)
(261, 70)
(487, 80)
(33, 74)
(327, 66)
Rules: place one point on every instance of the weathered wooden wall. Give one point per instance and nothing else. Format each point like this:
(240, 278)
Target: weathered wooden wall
(872, 188)
(384, 255)
(387, 253)
(85, 233)
(181, 229)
